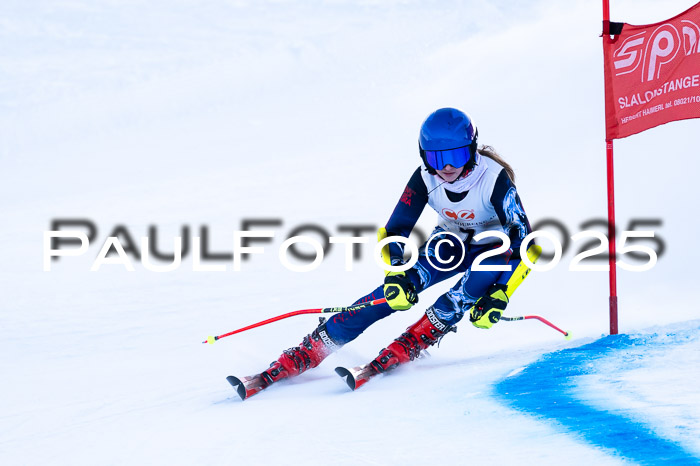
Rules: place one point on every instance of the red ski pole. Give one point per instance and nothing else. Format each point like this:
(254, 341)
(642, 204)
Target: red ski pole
(324, 310)
(541, 319)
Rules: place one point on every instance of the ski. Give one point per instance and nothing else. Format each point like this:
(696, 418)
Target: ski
(247, 386)
(357, 376)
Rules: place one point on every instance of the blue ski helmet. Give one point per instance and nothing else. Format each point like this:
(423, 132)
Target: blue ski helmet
(448, 137)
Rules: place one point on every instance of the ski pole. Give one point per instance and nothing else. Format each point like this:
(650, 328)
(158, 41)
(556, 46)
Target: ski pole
(567, 335)
(324, 310)
(521, 272)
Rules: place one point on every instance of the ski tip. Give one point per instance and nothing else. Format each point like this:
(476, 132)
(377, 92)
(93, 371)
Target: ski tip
(238, 385)
(347, 375)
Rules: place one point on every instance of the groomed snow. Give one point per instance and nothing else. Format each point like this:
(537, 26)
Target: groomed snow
(205, 114)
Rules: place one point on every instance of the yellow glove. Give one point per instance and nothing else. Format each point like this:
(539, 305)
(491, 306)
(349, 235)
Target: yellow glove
(487, 310)
(399, 291)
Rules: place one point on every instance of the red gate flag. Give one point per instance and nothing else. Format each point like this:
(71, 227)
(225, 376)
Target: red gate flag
(652, 73)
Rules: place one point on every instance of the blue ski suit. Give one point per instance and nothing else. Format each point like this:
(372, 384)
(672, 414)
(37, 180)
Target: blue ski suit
(484, 200)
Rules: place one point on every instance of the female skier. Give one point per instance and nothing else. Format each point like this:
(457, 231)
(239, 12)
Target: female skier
(472, 191)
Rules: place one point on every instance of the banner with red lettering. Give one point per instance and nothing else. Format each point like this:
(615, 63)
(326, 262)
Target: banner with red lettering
(652, 74)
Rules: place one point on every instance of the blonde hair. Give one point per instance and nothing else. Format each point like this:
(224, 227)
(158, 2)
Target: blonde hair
(490, 152)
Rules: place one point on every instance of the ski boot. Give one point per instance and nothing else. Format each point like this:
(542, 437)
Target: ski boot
(426, 332)
(313, 349)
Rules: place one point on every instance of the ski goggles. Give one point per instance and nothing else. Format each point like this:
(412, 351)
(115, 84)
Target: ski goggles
(439, 159)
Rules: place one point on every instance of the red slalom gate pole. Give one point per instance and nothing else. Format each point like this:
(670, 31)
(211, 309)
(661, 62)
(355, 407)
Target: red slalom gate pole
(541, 319)
(323, 310)
(611, 238)
(611, 198)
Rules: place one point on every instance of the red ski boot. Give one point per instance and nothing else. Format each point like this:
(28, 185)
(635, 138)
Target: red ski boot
(419, 336)
(424, 333)
(313, 349)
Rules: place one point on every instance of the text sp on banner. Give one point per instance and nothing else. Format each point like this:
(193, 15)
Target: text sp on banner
(652, 74)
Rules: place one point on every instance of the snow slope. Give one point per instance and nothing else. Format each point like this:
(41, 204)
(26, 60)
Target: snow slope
(172, 114)
(634, 396)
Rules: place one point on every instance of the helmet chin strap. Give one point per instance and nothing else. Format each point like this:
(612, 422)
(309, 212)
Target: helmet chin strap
(464, 173)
